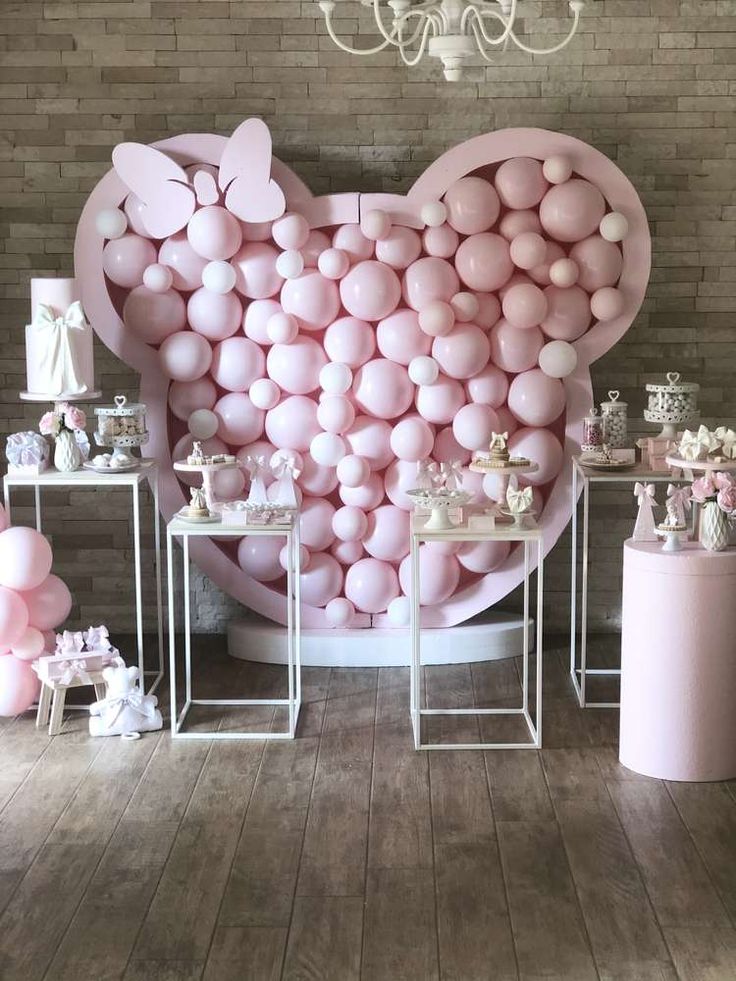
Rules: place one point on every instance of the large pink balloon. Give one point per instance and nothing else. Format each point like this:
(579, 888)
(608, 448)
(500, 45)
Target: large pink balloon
(185, 356)
(367, 495)
(513, 349)
(350, 239)
(489, 387)
(482, 556)
(317, 479)
(541, 273)
(321, 581)
(214, 315)
(347, 552)
(292, 425)
(255, 270)
(19, 686)
(186, 266)
(387, 536)
(236, 363)
(568, 313)
(214, 233)
(400, 477)
(383, 389)
(463, 352)
(371, 438)
(124, 259)
(30, 645)
(400, 337)
(240, 421)
(229, 484)
(400, 247)
(524, 306)
(258, 556)
(439, 402)
(412, 439)
(349, 341)
(255, 321)
(14, 617)
(438, 576)
(25, 558)
(312, 298)
(535, 398)
(370, 290)
(474, 425)
(296, 366)
(185, 397)
(447, 448)
(507, 421)
(599, 262)
(371, 585)
(484, 262)
(315, 523)
(520, 182)
(317, 243)
(472, 205)
(571, 211)
(429, 279)
(48, 604)
(154, 316)
(541, 446)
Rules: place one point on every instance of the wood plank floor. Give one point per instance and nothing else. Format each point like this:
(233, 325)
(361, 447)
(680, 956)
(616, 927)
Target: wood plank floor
(345, 855)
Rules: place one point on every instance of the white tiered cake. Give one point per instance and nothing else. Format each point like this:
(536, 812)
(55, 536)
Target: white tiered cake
(59, 359)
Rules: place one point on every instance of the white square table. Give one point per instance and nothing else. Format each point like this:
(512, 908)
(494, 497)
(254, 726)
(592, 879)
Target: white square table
(147, 472)
(530, 535)
(184, 530)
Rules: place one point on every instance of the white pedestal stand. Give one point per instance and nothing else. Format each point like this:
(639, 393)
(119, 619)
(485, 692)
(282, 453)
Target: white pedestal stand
(504, 473)
(208, 471)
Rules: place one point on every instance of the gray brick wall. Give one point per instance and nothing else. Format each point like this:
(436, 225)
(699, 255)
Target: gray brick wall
(649, 82)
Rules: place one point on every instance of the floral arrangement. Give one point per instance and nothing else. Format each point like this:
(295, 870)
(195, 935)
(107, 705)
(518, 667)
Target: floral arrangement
(63, 417)
(718, 487)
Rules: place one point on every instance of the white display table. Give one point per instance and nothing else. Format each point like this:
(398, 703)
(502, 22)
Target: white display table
(530, 535)
(184, 530)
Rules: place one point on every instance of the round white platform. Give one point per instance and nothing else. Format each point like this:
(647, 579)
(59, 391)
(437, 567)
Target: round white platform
(490, 637)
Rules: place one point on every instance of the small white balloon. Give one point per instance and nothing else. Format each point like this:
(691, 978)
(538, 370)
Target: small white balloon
(290, 264)
(375, 224)
(327, 449)
(558, 359)
(335, 378)
(264, 393)
(398, 611)
(353, 470)
(111, 223)
(433, 214)
(614, 227)
(564, 273)
(423, 370)
(282, 328)
(557, 169)
(304, 557)
(157, 278)
(203, 424)
(465, 306)
(333, 263)
(339, 612)
(218, 276)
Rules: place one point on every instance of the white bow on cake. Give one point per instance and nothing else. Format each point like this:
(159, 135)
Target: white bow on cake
(57, 361)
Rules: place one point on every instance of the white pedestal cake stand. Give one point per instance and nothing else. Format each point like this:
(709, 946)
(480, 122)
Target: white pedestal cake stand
(504, 472)
(439, 504)
(208, 471)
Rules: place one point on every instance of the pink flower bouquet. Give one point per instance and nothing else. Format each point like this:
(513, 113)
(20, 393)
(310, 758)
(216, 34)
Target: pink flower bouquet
(64, 416)
(719, 487)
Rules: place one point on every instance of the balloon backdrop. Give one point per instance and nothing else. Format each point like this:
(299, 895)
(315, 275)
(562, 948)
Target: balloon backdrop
(360, 335)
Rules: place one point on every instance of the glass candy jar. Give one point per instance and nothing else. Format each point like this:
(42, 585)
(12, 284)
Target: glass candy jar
(673, 403)
(122, 424)
(592, 431)
(613, 415)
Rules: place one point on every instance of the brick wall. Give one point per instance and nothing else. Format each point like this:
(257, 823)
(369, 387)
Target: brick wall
(649, 82)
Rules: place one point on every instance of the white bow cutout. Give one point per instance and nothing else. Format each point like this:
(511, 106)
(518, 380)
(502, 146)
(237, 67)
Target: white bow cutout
(57, 360)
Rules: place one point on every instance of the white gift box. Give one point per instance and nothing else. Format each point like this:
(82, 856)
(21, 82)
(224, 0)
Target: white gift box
(77, 656)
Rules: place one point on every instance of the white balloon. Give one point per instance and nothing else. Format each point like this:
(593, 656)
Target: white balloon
(614, 227)
(333, 263)
(398, 611)
(339, 612)
(557, 169)
(558, 359)
(290, 264)
(564, 273)
(433, 214)
(335, 378)
(218, 276)
(203, 423)
(375, 224)
(327, 449)
(264, 393)
(111, 223)
(157, 278)
(423, 370)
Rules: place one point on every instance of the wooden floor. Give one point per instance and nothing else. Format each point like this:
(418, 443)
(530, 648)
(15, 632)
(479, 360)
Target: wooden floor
(346, 855)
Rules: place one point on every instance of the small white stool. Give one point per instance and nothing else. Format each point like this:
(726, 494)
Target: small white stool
(51, 712)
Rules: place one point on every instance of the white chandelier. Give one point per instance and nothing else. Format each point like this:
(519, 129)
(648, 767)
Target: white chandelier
(451, 30)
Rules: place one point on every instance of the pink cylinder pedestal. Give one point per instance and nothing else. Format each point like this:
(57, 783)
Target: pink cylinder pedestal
(678, 662)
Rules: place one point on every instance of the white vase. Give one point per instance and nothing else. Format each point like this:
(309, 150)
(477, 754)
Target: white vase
(713, 527)
(67, 456)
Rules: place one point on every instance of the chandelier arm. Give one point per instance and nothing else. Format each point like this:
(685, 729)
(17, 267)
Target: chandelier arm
(477, 13)
(427, 18)
(410, 62)
(479, 41)
(557, 47)
(346, 47)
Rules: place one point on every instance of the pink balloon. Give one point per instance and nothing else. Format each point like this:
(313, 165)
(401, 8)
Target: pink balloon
(321, 581)
(489, 310)
(185, 397)
(371, 585)
(333, 263)
(524, 306)
(240, 421)
(295, 367)
(349, 341)
(399, 248)
(312, 298)
(564, 272)
(438, 403)
(133, 208)
(347, 552)
(438, 576)
(158, 278)
(568, 313)
(349, 523)
(19, 686)
(256, 231)
(255, 322)
(513, 349)
(383, 389)
(4, 523)
(607, 303)
(541, 446)
(214, 233)
(429, 279)
(462, 353)
(229, 484)
(185, 356)
(258, 556)
(14, 616)
(290, 231)
(186, 266)
(367, 495)
(489, 387)
(30, 646)
(472, 205)
(412, 439)
(441, 241)
(336, 414)
(528, 250)
(474, 425)
(25, 558)
(48, 604)
(264, 393)
(387, 535)
(400, 338)
(507, 422)
(371, 438)
(236, 363)
(571, 211)
(370, 290)
(484, 262)
(516, 223)
(214, 315)
(260, 447)
(541, 274)
(535, 398)
(353, 470)
(255, 270)
(124, 259)
(292, 425)
(400, 477)
(465, 306)
(317, 479)
(436, 318)
(473, 484)
(317, 243)
(447, 448)
(599, 262)
(315, 524)
(520, 182)
(482, 556)
(350, 239)
(154, 316)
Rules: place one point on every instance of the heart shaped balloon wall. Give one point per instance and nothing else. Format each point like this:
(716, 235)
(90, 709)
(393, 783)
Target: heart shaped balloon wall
(359, 334)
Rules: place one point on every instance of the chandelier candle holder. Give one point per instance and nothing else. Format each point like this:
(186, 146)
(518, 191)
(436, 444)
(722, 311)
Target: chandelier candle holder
(453, 31)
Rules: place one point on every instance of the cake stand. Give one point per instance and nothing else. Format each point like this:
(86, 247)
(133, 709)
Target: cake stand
(120, 443)
(672, 536)
(208, 471)
(700, 466)
(503, 472)
(439, 502)
(59, 399)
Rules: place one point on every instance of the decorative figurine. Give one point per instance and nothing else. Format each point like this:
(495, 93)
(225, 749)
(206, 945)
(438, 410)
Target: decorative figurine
(196, 458)
(644, 527)
(198, 504)
(679, 498)
(498, 448)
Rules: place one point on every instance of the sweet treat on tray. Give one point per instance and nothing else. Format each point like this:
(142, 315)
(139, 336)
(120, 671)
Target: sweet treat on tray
(122, 424)
(196, 458)
(59, 359)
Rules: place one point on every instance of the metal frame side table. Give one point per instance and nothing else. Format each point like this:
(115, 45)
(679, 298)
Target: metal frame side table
(184, 530)
(529, 536)
(80, 479)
